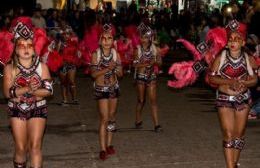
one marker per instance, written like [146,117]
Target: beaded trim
[146,55]
[105,60]
[31,69]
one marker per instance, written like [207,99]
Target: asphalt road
[191,137]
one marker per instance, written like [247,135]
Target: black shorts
[107,92]
[145,79]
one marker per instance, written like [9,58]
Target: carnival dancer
[26,83]
[146,58]
[68,48]
[105,68]
[233,72]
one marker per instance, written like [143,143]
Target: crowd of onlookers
[190,24]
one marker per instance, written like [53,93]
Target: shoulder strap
[139,52]
[154,50]
[39,69]
[248,65]
[114,54]
[222,60]
[98,51]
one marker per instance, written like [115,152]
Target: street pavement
[191,136]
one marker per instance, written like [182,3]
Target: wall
[46,4]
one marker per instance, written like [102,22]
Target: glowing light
[229,9]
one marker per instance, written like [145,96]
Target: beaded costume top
[104,61]
[26,75]
[232,68]
[147,57]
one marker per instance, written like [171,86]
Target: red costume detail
[70,51]
[131,32]
[54,61]
[6,46]
[230,71]
[242,30]
[125,50]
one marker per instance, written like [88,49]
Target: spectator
[37,19]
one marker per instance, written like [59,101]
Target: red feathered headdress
[235,26]
[21,27]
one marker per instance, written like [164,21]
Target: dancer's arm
[46,88]
[95,72]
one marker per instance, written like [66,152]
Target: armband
[136,61]
[115,70]
[46,84]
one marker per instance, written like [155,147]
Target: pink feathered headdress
[21,27]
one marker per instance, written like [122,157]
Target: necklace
[235,60]
[146,55]
[106,59]
[31,69]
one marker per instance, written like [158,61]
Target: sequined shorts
[26,112]
[238,102]
[145,79]
[107,92]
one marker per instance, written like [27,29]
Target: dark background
[28,5]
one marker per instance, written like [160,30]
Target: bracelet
[135,61]
[12,92]
[115,70]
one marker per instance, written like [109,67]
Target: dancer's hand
[236,85]
[242,87]
[33,85]
[227,90]
[112,65]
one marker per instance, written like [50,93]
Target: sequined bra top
[147,57]
[27,75]
[104,61]
[231,68]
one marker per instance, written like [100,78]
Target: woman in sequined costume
[26,83]
[67,47]
[233,73]
[146,58]
[105,68]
